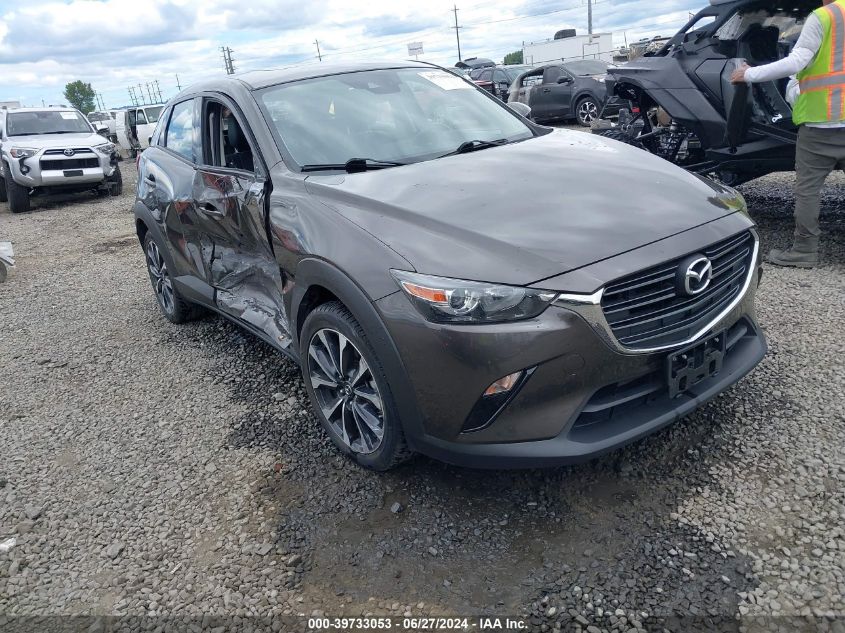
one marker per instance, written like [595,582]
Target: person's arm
[802,54]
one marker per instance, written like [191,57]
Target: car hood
[40,141]
[523,212]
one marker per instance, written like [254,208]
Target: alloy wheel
[588,111]
[346,390]
[160,277]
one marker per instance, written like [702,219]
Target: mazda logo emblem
[68,152]
[694,275]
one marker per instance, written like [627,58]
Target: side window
[179,136]
[225,143]
[158,132]
[485,75]
[141,118]
[500,77]
[551,74]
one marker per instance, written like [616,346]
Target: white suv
[52,150]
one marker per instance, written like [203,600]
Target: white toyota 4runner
[53,150]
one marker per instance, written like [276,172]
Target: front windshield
[402,115]
[584,67]
[153,113]
[46,122]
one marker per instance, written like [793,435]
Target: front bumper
[56,170]
[584,397]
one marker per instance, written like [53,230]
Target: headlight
[22,152]
[105,148]
[457,301]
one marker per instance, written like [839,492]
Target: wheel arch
[318,281]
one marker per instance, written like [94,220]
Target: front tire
[349,389]
[17,196]
[115,182]
[586,111]
[172,305]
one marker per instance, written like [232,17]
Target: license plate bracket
[689,366]
[72,172]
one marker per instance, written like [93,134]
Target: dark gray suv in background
[345,215]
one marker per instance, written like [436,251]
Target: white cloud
[116,43]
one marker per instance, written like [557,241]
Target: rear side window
[485,75]
[180,130]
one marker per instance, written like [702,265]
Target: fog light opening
[504,385]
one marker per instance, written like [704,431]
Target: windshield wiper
[472,146]
[354,165]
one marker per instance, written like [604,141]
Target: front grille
[644,310]
[77,150]
[69,163]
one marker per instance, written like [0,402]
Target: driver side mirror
[564,80]
[520,108]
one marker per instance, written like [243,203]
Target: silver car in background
[53,150]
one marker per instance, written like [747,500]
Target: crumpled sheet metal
[251,289]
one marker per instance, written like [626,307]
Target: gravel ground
[148,469]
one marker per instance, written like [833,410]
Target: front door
[230,195]
[554,96]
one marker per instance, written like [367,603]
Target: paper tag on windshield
[445,80]
[68,115]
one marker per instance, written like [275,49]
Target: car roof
[257,79]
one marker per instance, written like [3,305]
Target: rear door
[230,194]
[166,176]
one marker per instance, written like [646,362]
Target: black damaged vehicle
[370,221]
[684,107]
[568,90]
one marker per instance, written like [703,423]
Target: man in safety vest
[818,59]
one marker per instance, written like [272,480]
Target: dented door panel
[241,265]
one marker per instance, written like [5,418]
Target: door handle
[210,209]
[150,180]
[547,89]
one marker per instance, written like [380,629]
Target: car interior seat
[236,152]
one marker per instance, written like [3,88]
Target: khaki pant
[819,151]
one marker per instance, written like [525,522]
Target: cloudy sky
[114,44]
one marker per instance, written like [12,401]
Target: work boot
[804,253]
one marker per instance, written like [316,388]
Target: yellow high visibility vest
[822,83]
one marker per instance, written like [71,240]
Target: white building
[595,46]
[10,104]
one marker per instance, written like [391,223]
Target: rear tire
[17,196]
[358,412]
[172,305]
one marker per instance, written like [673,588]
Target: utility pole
[228,63]
[178,85]
[150,94]
[141,94]
[319,54]
[457,32]
[590,17]
[158,90]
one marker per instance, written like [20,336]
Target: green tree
[80,95]
[513,58]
